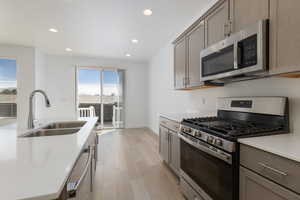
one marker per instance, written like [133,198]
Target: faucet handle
[36,123]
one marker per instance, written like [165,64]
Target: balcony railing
[8,110]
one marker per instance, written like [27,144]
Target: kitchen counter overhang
[37,168]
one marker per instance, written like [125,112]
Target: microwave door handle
[225,29]
[239,55]
[235,56]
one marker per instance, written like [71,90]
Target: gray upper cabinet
[245,12]
[254,187]
[180,64]
[285,36]
[229,16]
[196,43]
[209,29]
[217,24]
[174,151]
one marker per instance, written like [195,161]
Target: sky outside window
[89,82]
[8,74]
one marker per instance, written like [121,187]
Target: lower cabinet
[164,143]
[174,145]
[266,176]
[169,145]
[254,187]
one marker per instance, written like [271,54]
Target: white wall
[40,83]
[164,99]
[25,57]
[59,78]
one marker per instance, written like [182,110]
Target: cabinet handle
[183,80]
[224,29]
[72,187]
[226,32]
[273,169]
[230,27]
[188,80]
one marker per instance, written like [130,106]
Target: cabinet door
[196,42]
[245,12]
[164,143]
[254,186]
[285,36]
[180,64]
[217,24]
[174,151]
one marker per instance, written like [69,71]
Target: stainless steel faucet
[30,116]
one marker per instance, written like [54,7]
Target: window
[8,88]
[100,93]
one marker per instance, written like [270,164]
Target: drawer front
[278,169]
[174,126]
[256,187]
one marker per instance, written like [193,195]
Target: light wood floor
[129,168]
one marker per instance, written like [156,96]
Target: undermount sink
[51,132]
[56,129]
[64,125]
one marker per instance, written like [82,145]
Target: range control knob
[198,134]
[210,139]
[218,142]
[186,129]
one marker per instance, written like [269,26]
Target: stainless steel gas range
[209,152]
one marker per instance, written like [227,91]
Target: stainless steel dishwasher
[80,183]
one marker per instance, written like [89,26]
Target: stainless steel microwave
[243,53]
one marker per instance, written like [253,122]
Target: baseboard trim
[154,134]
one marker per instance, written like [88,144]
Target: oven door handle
[211,151]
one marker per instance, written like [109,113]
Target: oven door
[209,170]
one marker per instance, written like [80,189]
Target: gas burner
[229,127]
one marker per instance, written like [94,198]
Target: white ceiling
[96,27]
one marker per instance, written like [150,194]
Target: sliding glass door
[100,93]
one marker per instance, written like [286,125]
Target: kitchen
[171,92]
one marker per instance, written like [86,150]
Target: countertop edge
[273,150]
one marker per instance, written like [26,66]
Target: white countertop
[285,145]
[37,168]
[178,117]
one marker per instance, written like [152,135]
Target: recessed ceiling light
[127,54]
[134,41]
[147,12]
[69,49]
[53,30]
